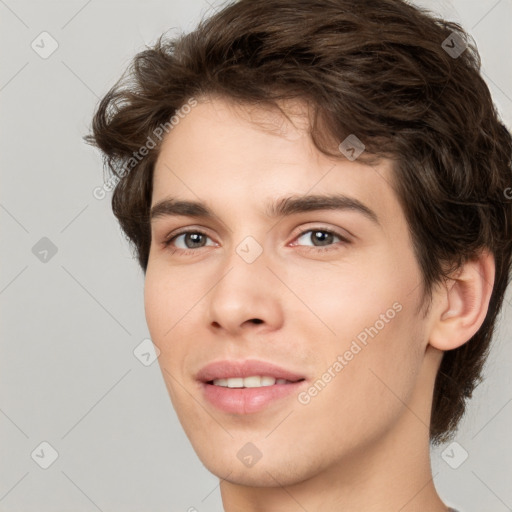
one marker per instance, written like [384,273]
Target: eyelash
[185,252]
[331,247]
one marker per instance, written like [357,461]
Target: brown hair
[380,69]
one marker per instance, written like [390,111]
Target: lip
[226,369]
[246,400]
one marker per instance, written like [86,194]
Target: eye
[188,240]
[319,237]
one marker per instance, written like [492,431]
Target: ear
[461,304]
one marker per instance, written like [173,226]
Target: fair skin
[362,441]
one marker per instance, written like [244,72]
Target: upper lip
[248,368]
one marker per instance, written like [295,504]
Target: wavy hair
[382,69]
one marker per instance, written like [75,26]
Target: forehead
[235,155]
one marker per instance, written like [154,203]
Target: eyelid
[303,230]
[342,234]
[181,231]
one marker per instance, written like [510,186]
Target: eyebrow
[279,208]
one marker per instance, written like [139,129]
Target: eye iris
[323,237]
[196,239]
[319,238]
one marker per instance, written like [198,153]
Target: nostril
[257,321]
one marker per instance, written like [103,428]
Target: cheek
[168,302]
[373,326]
[164,301]
[157,304]
[168,299]
[366,397]
[345,299]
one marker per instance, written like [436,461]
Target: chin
[271,470]
[262,476]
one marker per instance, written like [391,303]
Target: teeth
[254,381]
[268,381]
[235,383]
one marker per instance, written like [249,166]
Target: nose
[247,296]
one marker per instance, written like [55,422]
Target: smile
[247,387]
[254,381]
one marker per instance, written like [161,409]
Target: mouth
[247,387]
[254,381]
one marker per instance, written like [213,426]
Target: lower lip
[247,400]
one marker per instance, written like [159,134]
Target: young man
[316,192]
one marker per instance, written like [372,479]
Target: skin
[362,442]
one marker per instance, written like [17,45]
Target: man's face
[327,298]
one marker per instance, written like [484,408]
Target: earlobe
[462,303]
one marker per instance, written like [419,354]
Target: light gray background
[68,373]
